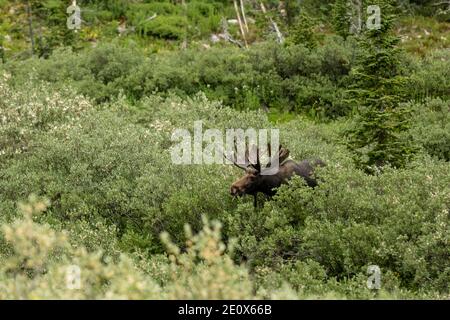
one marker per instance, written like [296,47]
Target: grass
[423,34]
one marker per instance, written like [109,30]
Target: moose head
[257,177]
[264,179]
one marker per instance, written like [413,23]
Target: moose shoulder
[257,180]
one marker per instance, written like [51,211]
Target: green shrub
[353,220]
[267,76]
[41,263]
[113,187]
[33,109]
[170,27]
[431,127]
[431,77]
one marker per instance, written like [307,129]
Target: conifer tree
[302,32]
[348,16]
[377,91]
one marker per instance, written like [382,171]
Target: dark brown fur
[254,182]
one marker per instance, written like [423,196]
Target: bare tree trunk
[184,44]
[243,15]
[274,24]
[30,26]
[240,23]
[226,35]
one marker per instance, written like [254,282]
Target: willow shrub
[398,220]
[40,263]
[431,128]
[281,77]
[113,188]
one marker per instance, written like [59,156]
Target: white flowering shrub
[113,190]
[204,271]
[30,108]
[41,264]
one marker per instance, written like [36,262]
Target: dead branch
[274,24]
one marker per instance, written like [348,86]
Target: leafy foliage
[114,190]
[86,137]
[284,78]
[378,88]
[302,32]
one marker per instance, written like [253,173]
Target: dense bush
[113,187]
[432,77]
[86,137]
[40,109]
[354,220]
[291,78]
[41,264]
[432,131]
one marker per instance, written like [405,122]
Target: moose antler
[249,161]
[248,158]
[234,159]
[282,155]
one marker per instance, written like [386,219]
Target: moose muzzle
[236,191]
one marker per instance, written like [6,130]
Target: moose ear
[252,170]
[283,154]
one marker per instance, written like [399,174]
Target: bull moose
[255,181]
